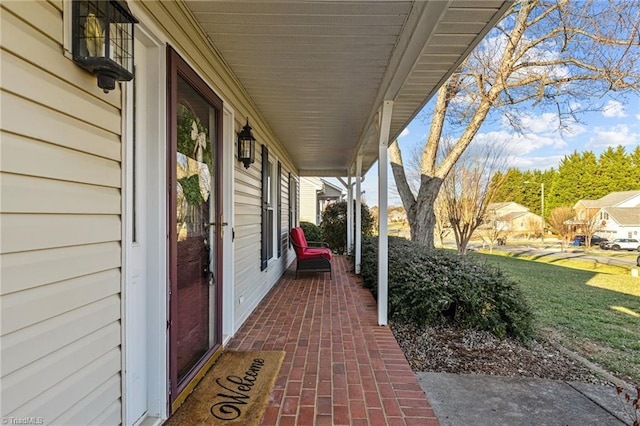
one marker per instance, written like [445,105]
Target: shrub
[430,287]
[334,225]
[312,231]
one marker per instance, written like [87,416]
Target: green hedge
[334,224]
[312,232]
[439,287]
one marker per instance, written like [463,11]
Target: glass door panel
[195,228]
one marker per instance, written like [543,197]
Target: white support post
[383,207]
[358,231]
[349,215]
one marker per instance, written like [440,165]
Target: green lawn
[593,313]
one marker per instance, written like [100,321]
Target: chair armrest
[317,244]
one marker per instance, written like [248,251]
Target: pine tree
[614,172]
[635,168]
[576,179]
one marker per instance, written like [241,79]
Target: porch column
[383,238]
[358,231]
[349,215]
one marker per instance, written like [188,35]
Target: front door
[195,223]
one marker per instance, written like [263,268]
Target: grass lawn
[593,313]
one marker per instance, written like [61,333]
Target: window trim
[264,247]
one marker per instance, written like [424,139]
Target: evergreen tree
[580,176]
[635,167]
[614,167]
[576,179]
[511,186]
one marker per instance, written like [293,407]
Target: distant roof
[590,204]
[609,200]
[628,216]
[616,198]
[332,186]
[513,215]
[498,206]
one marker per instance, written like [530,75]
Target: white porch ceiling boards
[318,71]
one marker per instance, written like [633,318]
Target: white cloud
[614,109]
[404,133]
[516,144]
[545,122]
[548,123]
[540,163]
[612,136]
[638,116]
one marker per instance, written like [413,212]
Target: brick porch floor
[340,367]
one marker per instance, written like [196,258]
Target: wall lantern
[102,32]
[246,146]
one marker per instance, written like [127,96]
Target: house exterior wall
[309,199]
[609,227]
[250,283]
[61,250]
[521,223]
[61,227]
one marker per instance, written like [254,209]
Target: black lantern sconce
[102,32]
[246,146]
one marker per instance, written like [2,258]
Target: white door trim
[155,229]
[228,276]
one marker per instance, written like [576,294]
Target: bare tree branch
[541,54]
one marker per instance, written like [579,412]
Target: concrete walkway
[482,400]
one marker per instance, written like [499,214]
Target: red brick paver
[340,367]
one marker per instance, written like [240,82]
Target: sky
[541,146]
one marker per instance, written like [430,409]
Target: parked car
[596,240]
[621,244]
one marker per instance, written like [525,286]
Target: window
[271,208]
[278,187]
[293,214]
[266,245]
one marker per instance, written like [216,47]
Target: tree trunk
[421,215]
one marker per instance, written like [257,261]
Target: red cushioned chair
[310,259]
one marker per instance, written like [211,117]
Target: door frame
[154,224]
[178,67]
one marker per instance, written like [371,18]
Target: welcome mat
[234,392]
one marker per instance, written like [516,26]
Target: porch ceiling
[318,71]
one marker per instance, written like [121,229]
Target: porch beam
[384,121]
[358,231]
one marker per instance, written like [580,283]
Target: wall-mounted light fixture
[102,32]
[246,146]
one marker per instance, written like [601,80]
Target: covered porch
[340,367]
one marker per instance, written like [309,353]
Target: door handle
[222,223]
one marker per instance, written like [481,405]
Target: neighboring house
[397,214]
[612,216]
[502,209]
[315,194]
[618,222]
[134,243]
[511,218]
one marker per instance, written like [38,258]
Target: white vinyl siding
[60,248]
[61,218]
[250,283]
[309,187]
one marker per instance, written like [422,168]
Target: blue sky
[541,146]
